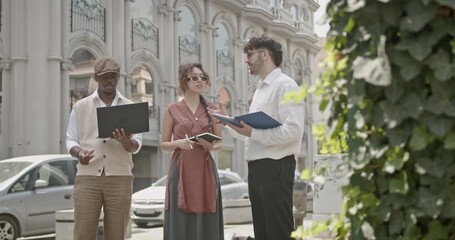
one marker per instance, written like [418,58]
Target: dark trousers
[270,184]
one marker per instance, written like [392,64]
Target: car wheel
[141,224]
[8,228]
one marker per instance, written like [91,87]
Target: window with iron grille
[88,15]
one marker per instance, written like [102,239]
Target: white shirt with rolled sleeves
[73,138]
[275,143]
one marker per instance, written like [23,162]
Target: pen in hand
[191,146]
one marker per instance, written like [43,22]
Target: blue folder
[257,120]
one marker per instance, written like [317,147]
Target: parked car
[148,204]
[32,188]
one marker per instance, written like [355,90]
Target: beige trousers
[110,193]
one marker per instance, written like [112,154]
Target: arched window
[222,39]
[272,3]
[294,12]
[144,33]
[305,14]
[187,26]
[142,85]
[142,9]
[298,71]
[224,57]
[188,44]
[225,99]
[82,83]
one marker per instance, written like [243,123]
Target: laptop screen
[134,118]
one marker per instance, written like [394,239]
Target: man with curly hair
[270,153]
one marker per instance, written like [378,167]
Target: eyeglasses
[196,78]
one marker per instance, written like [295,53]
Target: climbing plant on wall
[390,81]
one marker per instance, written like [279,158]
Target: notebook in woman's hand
[209,137]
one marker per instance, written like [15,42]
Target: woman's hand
[205,144]
[184,144]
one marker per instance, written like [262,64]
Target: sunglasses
[196,78]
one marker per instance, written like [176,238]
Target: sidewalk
[156,233]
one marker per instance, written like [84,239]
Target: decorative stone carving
[177,16]
[68,65]
[5,64]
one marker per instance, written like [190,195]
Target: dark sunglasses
[196,78]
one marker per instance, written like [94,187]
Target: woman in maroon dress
[193,206]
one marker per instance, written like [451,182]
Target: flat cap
[106,65]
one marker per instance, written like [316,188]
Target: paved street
[156,233]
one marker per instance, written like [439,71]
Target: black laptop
[134,118]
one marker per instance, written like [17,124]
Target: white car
[148,204]
[32,188]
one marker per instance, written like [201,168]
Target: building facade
[48,47]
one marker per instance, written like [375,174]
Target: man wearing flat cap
[104,178]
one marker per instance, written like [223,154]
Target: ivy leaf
[356,91]
[354,5]
[412,106]
[448,208]
[398,136]
[432,167]
[436,104]
[419,139]
[440,100]
[412,233]
[443,88]
[399,184]
[394,91]
[417,17]
[440,63]
[438,125]
[449,141]
[420,52]
[419,49]
[427,202]
[392,12]
[395,160]
[450,110]
[436,231]
[393,114]
[396,222]
[375,71]
[409,67]
[367,230]
[378,117]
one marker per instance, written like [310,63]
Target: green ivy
[389,83]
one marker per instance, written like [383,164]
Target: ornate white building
[47,50]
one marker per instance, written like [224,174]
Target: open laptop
[134,118]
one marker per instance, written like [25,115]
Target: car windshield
[160,182]
[9,169]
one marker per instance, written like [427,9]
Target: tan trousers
[113,195]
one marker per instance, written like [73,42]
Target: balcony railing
[88,15]
[145,35]
[225,63]
[189,49]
